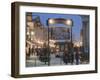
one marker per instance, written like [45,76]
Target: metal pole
[71,36]
[48,45]
[71,47]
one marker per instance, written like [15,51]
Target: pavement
[34,61]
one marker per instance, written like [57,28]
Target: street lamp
[51,21]
[69,22]
[28,33]
[32,33]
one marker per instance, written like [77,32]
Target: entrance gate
[59,37]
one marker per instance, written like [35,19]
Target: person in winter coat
[77,56]
[65,57]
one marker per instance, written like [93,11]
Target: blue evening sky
[77,22]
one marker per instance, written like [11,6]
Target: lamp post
[48,45]
[70,23]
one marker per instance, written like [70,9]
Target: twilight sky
[77,21]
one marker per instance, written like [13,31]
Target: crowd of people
[43,54]
[71,56]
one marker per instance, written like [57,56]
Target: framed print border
[15,38]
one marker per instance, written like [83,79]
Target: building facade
[84,35]
[36,34]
